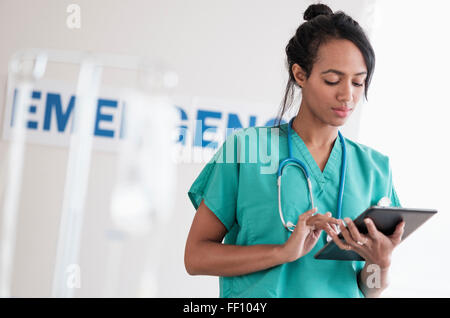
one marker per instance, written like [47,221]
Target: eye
[335,83]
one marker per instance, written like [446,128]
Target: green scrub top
[239,185]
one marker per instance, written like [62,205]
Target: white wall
[407,117]
[230,51]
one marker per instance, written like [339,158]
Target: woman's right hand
[307,233]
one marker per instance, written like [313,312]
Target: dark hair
[321,26]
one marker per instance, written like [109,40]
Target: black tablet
[385,219]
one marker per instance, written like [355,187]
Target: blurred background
[106,214]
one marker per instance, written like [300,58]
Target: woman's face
[336,82]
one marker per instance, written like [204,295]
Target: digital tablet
[385,219]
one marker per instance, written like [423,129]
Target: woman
[331,60]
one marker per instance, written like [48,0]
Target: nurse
[237,233]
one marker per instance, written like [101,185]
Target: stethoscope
[291,161]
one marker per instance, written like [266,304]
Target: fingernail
[347,220]
[366,221]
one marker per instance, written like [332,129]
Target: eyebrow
[341,73]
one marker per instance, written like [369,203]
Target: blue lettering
[201,128]
[36,95]
[54,102]
[182,128]
[32,124]
[103,117]
[31,109]
[234,123]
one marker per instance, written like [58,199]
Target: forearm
[217,259]
[373,280]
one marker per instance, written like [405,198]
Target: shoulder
[258,145]
[368,156]
[364,150]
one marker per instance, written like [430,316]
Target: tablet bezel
[385,219]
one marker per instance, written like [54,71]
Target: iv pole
[25,69]
[80,152]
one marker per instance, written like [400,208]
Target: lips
[342,111]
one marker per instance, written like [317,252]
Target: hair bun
[316,9]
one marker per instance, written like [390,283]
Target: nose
[345,93]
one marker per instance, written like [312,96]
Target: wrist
[282,254]
[285,254]
[383,265]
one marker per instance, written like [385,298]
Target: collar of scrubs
[332,167]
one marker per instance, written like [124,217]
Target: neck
[314,132]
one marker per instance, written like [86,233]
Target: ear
[299,74]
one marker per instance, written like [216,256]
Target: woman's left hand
[374,247]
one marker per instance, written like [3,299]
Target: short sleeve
[394,198]
[392,194]
[217,184]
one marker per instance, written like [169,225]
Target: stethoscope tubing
[291,161]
